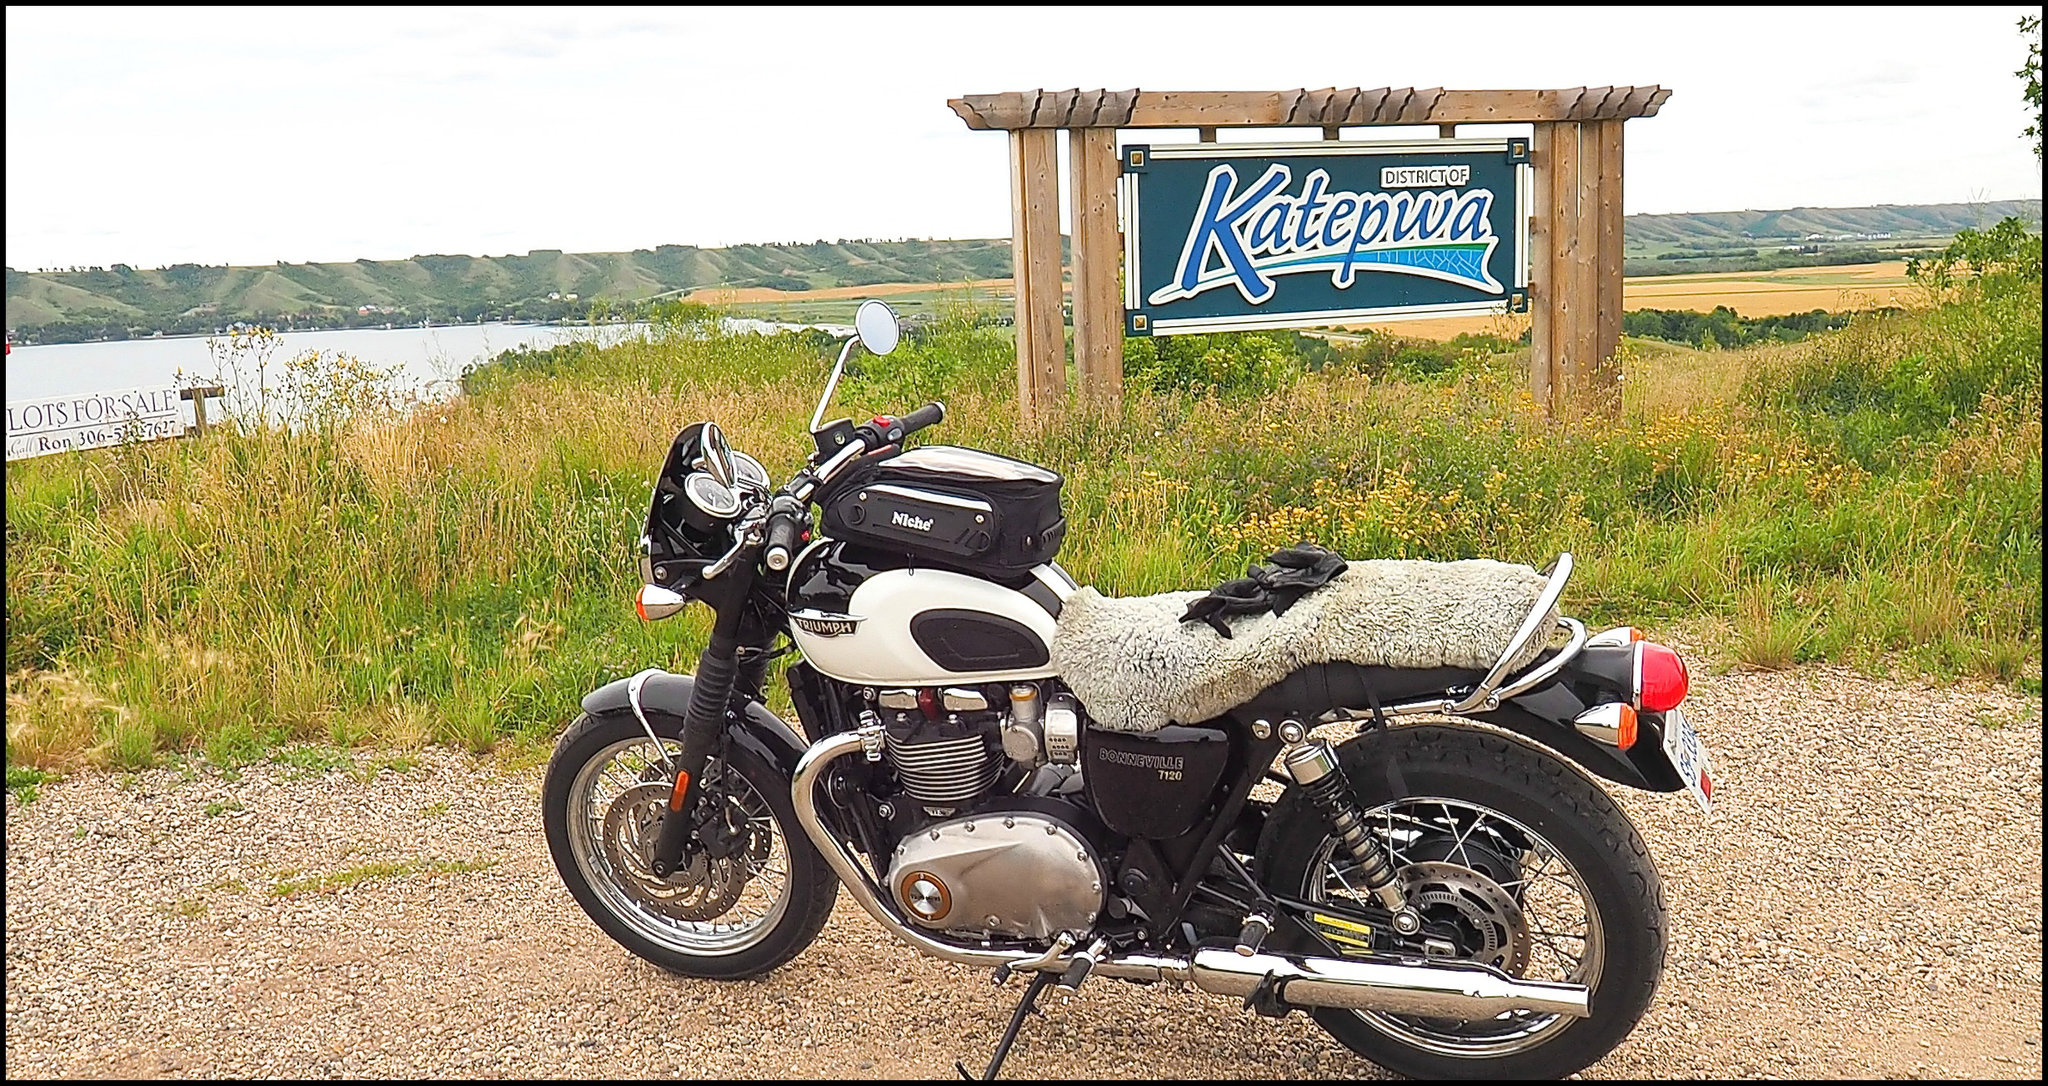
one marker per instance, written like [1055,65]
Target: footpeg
[1083,962]
[1256,927]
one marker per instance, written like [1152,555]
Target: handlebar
[889,430]
[785,528]
[928,415]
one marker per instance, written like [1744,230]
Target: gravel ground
[1866,901]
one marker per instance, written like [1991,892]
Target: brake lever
[748,533]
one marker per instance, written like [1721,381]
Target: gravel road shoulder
[1866,901]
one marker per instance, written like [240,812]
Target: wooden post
[1447,131]
[1333,132]
[1607,375]
[1567,307]
[1098,306]
[1035,252]
[1584,292]
[1542,284]
[198,397]
[1206,134]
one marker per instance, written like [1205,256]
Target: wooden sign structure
[1574,236]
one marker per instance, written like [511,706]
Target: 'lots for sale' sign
[92,420]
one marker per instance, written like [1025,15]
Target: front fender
[751,724]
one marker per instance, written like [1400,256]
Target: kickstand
[1028,1005]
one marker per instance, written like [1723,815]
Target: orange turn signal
[682,788]
[1625,731]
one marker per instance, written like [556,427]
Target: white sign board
[92,420]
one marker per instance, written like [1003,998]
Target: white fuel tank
[862,617]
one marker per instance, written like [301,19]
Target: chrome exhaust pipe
[1462,990]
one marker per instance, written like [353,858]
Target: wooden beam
[1447,131]
[1276,109]
[1584,296]
[1607,377]
[1206,134]
[1542,287]
[1035,254]
[1098,254]
[1332,132]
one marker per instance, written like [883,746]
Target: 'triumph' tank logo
[1265,232]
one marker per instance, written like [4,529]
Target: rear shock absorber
[1313,765]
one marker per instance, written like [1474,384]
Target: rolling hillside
[1832,223]
[548,284]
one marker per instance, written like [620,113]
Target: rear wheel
[1515,859]
[754,891]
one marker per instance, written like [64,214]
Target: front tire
[1469,815]
[726,919]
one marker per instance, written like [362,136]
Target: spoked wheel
[1515,860]
[754,892]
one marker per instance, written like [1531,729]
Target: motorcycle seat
[1403,626]
[1311,690]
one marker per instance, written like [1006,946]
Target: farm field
[1751,294]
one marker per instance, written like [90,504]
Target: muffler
[1462,990]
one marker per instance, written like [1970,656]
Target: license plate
[1689,756]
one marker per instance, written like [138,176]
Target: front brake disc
[701,889]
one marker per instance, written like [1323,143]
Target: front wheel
[746,901]
[1514,859]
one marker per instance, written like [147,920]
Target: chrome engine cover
[1006,873]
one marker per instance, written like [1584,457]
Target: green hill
[83,303]
[67,305]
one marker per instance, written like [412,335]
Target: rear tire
[1528,789]
[604,790]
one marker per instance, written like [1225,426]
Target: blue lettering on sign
[1244,240]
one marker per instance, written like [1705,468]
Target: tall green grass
[462,573]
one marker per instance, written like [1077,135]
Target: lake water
[428,360]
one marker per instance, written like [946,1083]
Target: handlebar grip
[783,530]
[927,415]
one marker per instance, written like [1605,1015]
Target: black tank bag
[952,506]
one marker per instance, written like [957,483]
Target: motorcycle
[1010,771]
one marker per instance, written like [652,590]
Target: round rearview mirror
[717,454]
[875,324]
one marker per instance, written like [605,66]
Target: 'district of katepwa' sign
[1237,236]
[92,420]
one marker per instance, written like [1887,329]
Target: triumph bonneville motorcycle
[1445,898]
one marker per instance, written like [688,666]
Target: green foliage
[1726,328]
[1254,364]
[2002,259]
[25,782]
[1225,363]
[2030,72]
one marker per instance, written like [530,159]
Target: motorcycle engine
[985,848]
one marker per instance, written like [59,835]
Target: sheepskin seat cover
[1137,668]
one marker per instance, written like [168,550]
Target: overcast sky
[246,136]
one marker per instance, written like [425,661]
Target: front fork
[718,671]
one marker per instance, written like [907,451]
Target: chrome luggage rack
[1490,692]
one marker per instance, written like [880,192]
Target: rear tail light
[1660,678]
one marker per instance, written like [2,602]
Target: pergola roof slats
[1328,107]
